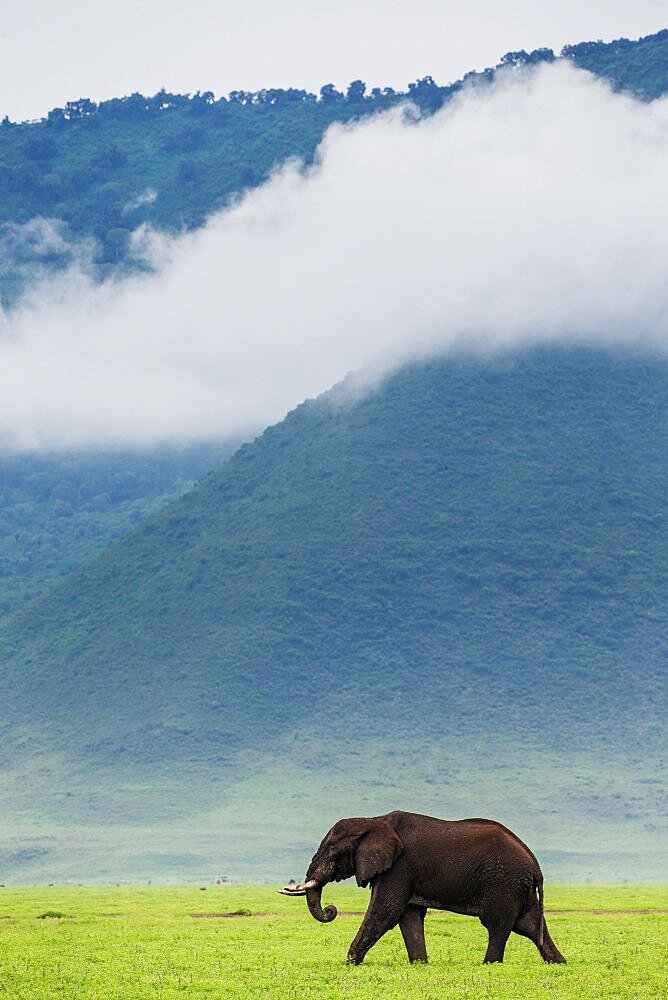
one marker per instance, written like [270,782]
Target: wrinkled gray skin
[412,862]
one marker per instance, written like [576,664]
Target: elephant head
[361,847]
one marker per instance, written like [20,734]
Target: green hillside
[454,589]
[56,511]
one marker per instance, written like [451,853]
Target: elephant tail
[539,889]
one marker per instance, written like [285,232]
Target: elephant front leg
[383,914]
[411,924]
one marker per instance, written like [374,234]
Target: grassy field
[131,943]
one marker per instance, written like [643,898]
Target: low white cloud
[146,197]
[34,239]
[533,210]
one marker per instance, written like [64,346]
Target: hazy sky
[51,52]
[529,211]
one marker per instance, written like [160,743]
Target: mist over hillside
[453,589]
[77,184]
[79,191]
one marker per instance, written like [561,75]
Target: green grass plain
[136,942]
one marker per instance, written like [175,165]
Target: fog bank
[529,211]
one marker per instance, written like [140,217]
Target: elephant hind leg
[498,917]
[499,932]
[528,925]
[411,925]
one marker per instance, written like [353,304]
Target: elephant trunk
[315,908]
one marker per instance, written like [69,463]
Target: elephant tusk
[299,889]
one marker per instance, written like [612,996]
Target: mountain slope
[462,571]
[57,511]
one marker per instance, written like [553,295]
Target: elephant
[412,862]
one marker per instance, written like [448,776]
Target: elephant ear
[376,852]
